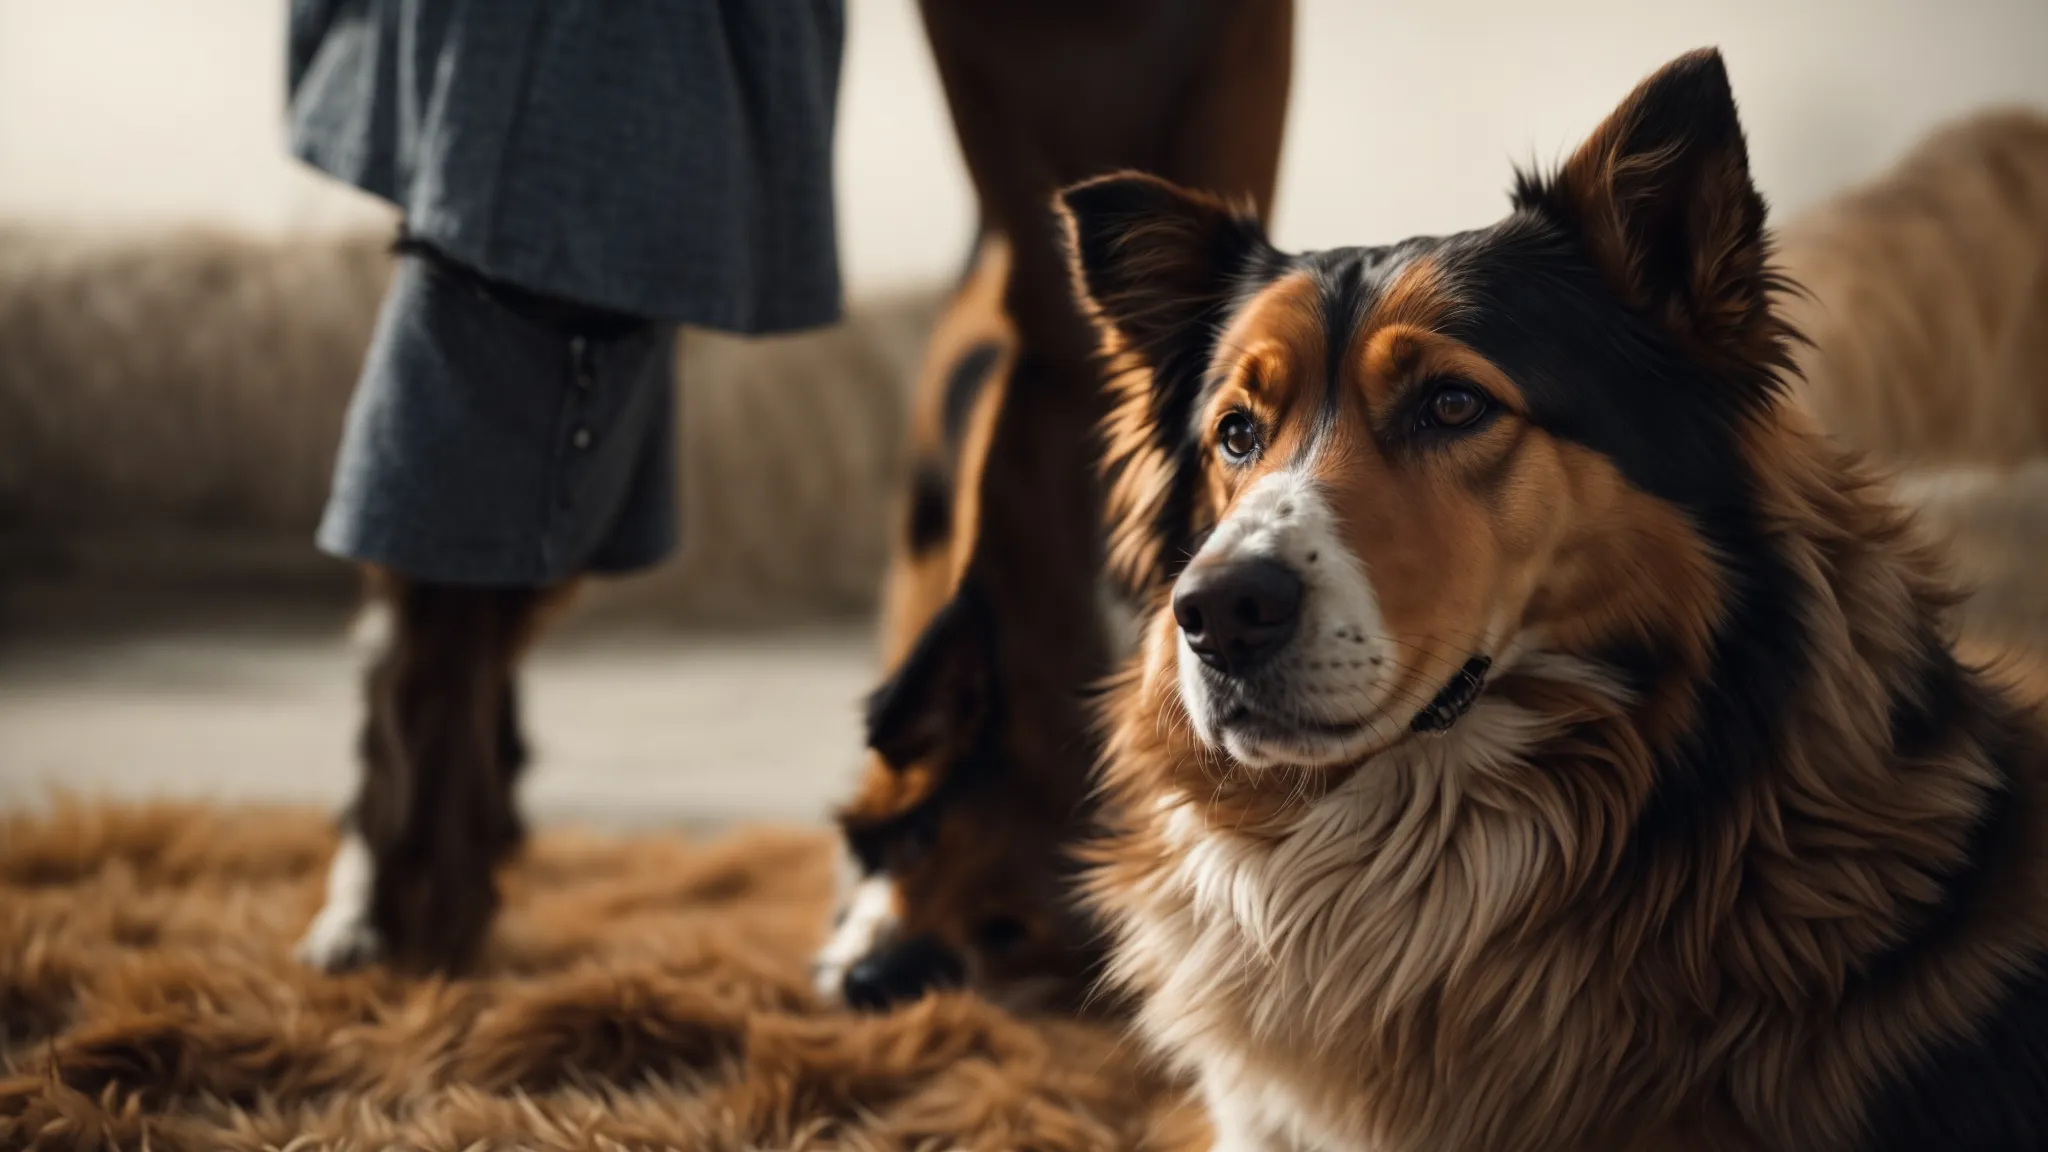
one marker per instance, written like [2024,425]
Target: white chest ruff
[1264,960]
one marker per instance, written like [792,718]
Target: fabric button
[579,363]
[581,438]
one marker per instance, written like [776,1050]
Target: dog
[954,868]
[997,618]
[1543,736]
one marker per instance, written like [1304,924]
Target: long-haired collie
[1543,738]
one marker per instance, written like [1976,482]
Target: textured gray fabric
[668,158]
[484,446]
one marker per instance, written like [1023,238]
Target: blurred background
[182,309]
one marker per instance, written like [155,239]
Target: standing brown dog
[996,623]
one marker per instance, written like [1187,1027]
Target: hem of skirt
[317,158]
[789,311]
[621,561]
[818,309]
[521,565]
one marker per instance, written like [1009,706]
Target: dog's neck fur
[1468,935]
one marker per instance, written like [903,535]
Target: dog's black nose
[901,970]
[1236,615]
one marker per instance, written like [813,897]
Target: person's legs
[499,445]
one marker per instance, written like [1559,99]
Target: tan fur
[643,993]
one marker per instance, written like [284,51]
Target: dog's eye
[1454,405]
[1000,933]
[1237,436]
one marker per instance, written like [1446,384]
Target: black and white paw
[340,940]
[341,937]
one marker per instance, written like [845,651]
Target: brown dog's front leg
[441,751]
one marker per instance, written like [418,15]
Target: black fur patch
[964,386]
[1349,282]
[1985,1093]
[939,700]
[940,690]
[1760,656]
[1928,709]
[1345,288]
[1987,1090]
[930,523]
[898,842]
[1595,372]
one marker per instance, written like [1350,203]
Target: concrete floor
[653,729]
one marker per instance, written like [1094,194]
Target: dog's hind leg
[441,752]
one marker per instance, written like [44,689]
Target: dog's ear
[1158,269]
[1154,263]
[1660,198]
[936,702]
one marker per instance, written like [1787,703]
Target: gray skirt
[487,445]
[665,161]
[669,158]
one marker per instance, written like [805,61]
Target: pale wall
[1406,116]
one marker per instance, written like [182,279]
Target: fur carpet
[639,993]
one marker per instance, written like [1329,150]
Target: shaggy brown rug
[638,993]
